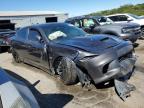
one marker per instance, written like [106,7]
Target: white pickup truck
[126,17]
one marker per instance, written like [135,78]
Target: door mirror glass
[129,19]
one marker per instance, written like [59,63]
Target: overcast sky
[73,7]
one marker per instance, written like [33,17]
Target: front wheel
[67,71]
[142,36]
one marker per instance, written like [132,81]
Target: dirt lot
[50,92]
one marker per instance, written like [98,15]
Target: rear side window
[33,35]
[114,18]
[22,33]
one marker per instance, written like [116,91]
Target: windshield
[104,20]
[61,32]
[135,16]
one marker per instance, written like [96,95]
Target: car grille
[136,30]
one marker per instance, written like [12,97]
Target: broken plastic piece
[123,89]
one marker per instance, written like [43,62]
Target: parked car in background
[103,25]
[5,41]
[72,54]
[126,17]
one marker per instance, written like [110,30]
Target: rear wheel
[142,36]
[16,57]
[67,70]
[9,50]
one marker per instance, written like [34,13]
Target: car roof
[117,14]
[79,17]
[45,25]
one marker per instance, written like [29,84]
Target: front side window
[104,20]
[77,24]
[119,18]
[123,18]
[33,35]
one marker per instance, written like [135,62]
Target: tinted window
[123,18]
[22,33]
[119,18]
[114,18]
[33,35]
[104,20]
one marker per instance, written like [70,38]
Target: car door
[19,42]
[37,50]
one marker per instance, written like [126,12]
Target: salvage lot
[50,91]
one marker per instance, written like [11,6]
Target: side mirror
[92,26]
[129,19]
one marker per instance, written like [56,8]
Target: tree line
[129,8]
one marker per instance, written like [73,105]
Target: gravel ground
[51,93]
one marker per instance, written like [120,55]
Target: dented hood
[93,43]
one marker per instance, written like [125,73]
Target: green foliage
[134,9]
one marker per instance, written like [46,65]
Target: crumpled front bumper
[108,66]
[131,36]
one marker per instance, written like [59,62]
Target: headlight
[85,56]
[126,30]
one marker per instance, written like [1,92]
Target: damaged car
[67,51]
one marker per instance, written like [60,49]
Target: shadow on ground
[45,100]
[135,45]
[78,95]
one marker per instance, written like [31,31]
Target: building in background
[26,18]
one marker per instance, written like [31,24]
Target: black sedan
[70,53]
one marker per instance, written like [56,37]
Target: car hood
[93,43]
[124,25]
[140,21]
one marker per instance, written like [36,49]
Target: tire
[0,50]
[67,71]
[9,50]
[16,57]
